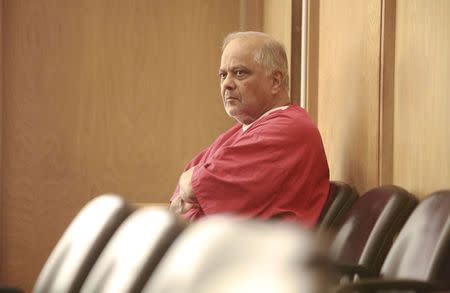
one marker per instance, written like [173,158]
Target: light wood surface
[101,96]
[422,96]
[379,89]
[347,87]
[151,204]
[277,22]
[251,15]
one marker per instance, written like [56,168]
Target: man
[272,163]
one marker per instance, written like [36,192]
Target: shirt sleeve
[196,160]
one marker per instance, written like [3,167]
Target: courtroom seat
[367,231]
[76,251]
[229,254]
[419,260]
[340,199]
[134,251]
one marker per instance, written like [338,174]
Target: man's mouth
[231,98]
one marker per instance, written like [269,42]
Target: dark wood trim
[312,79]
[296,47]
[1,144]
[387,92]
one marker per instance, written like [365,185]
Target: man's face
[245,85]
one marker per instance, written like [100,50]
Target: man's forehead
[239,52]
[237,62]
[244,44]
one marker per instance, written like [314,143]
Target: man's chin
[235,115]
[231,110]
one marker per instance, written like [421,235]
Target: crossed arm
[186,198]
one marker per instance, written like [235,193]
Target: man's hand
[185,183]
[186,199]
[179,206]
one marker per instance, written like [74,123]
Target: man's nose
[228,82]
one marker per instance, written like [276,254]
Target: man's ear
[277,81]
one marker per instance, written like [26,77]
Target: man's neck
[247,126]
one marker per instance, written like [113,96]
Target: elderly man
[272,163]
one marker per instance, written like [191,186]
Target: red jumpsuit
[277,168]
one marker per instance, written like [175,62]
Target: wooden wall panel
[277,22]
[422,96]
[250,15]
[347,86]
[101,96]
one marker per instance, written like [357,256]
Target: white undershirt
[246,126]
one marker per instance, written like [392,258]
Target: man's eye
[240,73]
[222,75]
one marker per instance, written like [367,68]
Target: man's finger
[175,205]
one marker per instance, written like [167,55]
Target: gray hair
[272,55]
